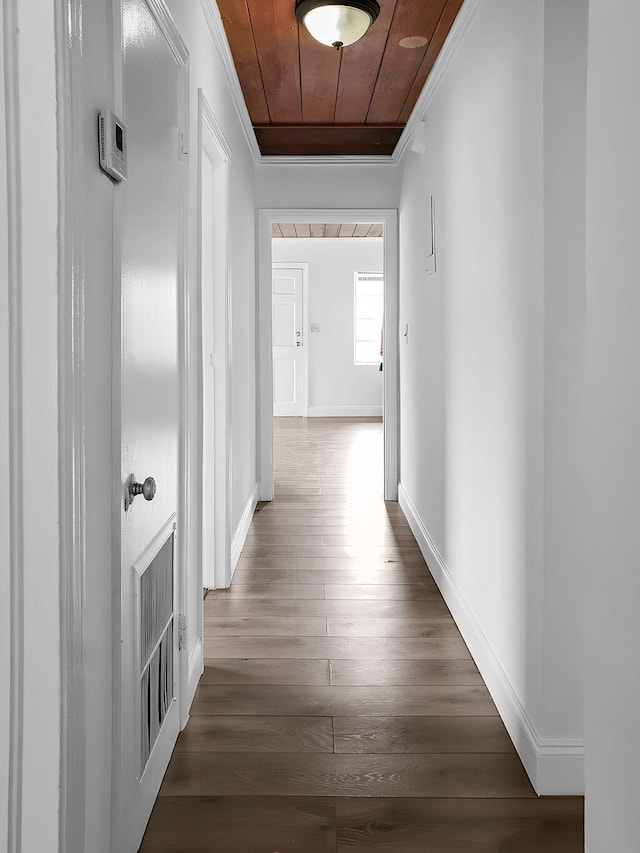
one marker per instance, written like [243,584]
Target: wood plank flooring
[340,709]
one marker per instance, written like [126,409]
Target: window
[368,313]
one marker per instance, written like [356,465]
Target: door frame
[73,425]
[304,267]
[220,153]
[267,217]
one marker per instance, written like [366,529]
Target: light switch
[315,327]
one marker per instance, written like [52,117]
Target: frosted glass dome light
[337,24]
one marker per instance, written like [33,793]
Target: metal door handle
[132,489]
[146,489]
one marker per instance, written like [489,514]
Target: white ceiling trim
[216,28]
[328,160]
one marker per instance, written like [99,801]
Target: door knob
[132,489]
[146,489]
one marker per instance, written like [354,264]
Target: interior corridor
[340,709]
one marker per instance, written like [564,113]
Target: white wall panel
[612,461]
[347,185]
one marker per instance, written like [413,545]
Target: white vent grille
[156,646]
[102,131]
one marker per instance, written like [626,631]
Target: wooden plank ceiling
[298,229]
[308,99]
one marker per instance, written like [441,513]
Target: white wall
[612,462]
[336,385]
[318,185]
[476,470]
[565,91]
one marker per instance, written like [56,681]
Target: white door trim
[30,432]
[11,432]
[298,265]
[220,153]
[264,368]
[72,426]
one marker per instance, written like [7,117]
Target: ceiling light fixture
[337,24]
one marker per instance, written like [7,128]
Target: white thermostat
[112,144]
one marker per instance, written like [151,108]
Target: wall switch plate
[315,327]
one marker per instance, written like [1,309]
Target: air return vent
[156,618]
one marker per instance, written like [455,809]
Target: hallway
[339,708]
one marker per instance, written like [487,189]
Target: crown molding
[162,15]
[328,160]
[216,28]
[452,44]
[211,123]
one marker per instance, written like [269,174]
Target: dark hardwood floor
[340,709]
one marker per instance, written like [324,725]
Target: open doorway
[386,222]
[328,311]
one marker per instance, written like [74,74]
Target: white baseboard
[555,767]
[344,412]
[195,670]
[239,537]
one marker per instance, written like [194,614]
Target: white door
[147,662]
[289,345]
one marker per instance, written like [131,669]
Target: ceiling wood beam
[321,140]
